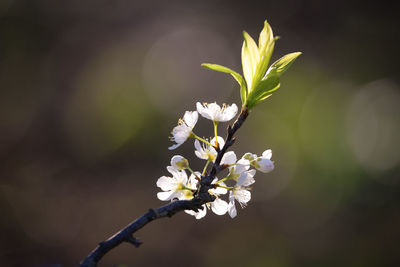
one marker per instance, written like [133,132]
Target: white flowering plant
[239,172]
[197,191]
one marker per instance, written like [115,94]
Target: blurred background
[90,91]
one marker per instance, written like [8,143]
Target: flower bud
[249,156]
[263,164]
[179,163]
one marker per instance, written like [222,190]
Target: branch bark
[201,197]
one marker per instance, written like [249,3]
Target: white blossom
[242,195]
[183,130]
[264,163]
[179,163]
[238,168]
[207,152]
[214,112]
[178,186]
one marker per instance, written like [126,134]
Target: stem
[216,133]
[202,197]
[205,167]
[223,180]
[192,171]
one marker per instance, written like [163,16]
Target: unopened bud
[179,163]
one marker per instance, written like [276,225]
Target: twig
[201,197]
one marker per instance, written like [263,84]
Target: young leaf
[250,58]
[253,49]
[282,64]
[246,66]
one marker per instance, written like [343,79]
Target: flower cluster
[239,173]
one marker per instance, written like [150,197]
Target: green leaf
[283,64]
[253,49]
[235,75]
[250,58]
[262,90]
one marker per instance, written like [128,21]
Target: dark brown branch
[125,235]
[201,197]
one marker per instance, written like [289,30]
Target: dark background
[91,89]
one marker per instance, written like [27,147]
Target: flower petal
[200,153]
[264,165]
[246,178]
[242,196]
[203,111]
[201,213]
[219,206]
[219,190]
[181,133]
[267,154]
[192,183]
[231,206]
[166,183]
[172,171]
[229,158]
[191,118]
[182,177]
[244,161]
[197,145]
[198,215]
[174,146]
[230,112]
[164,196]
[221,141]
[240,168]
